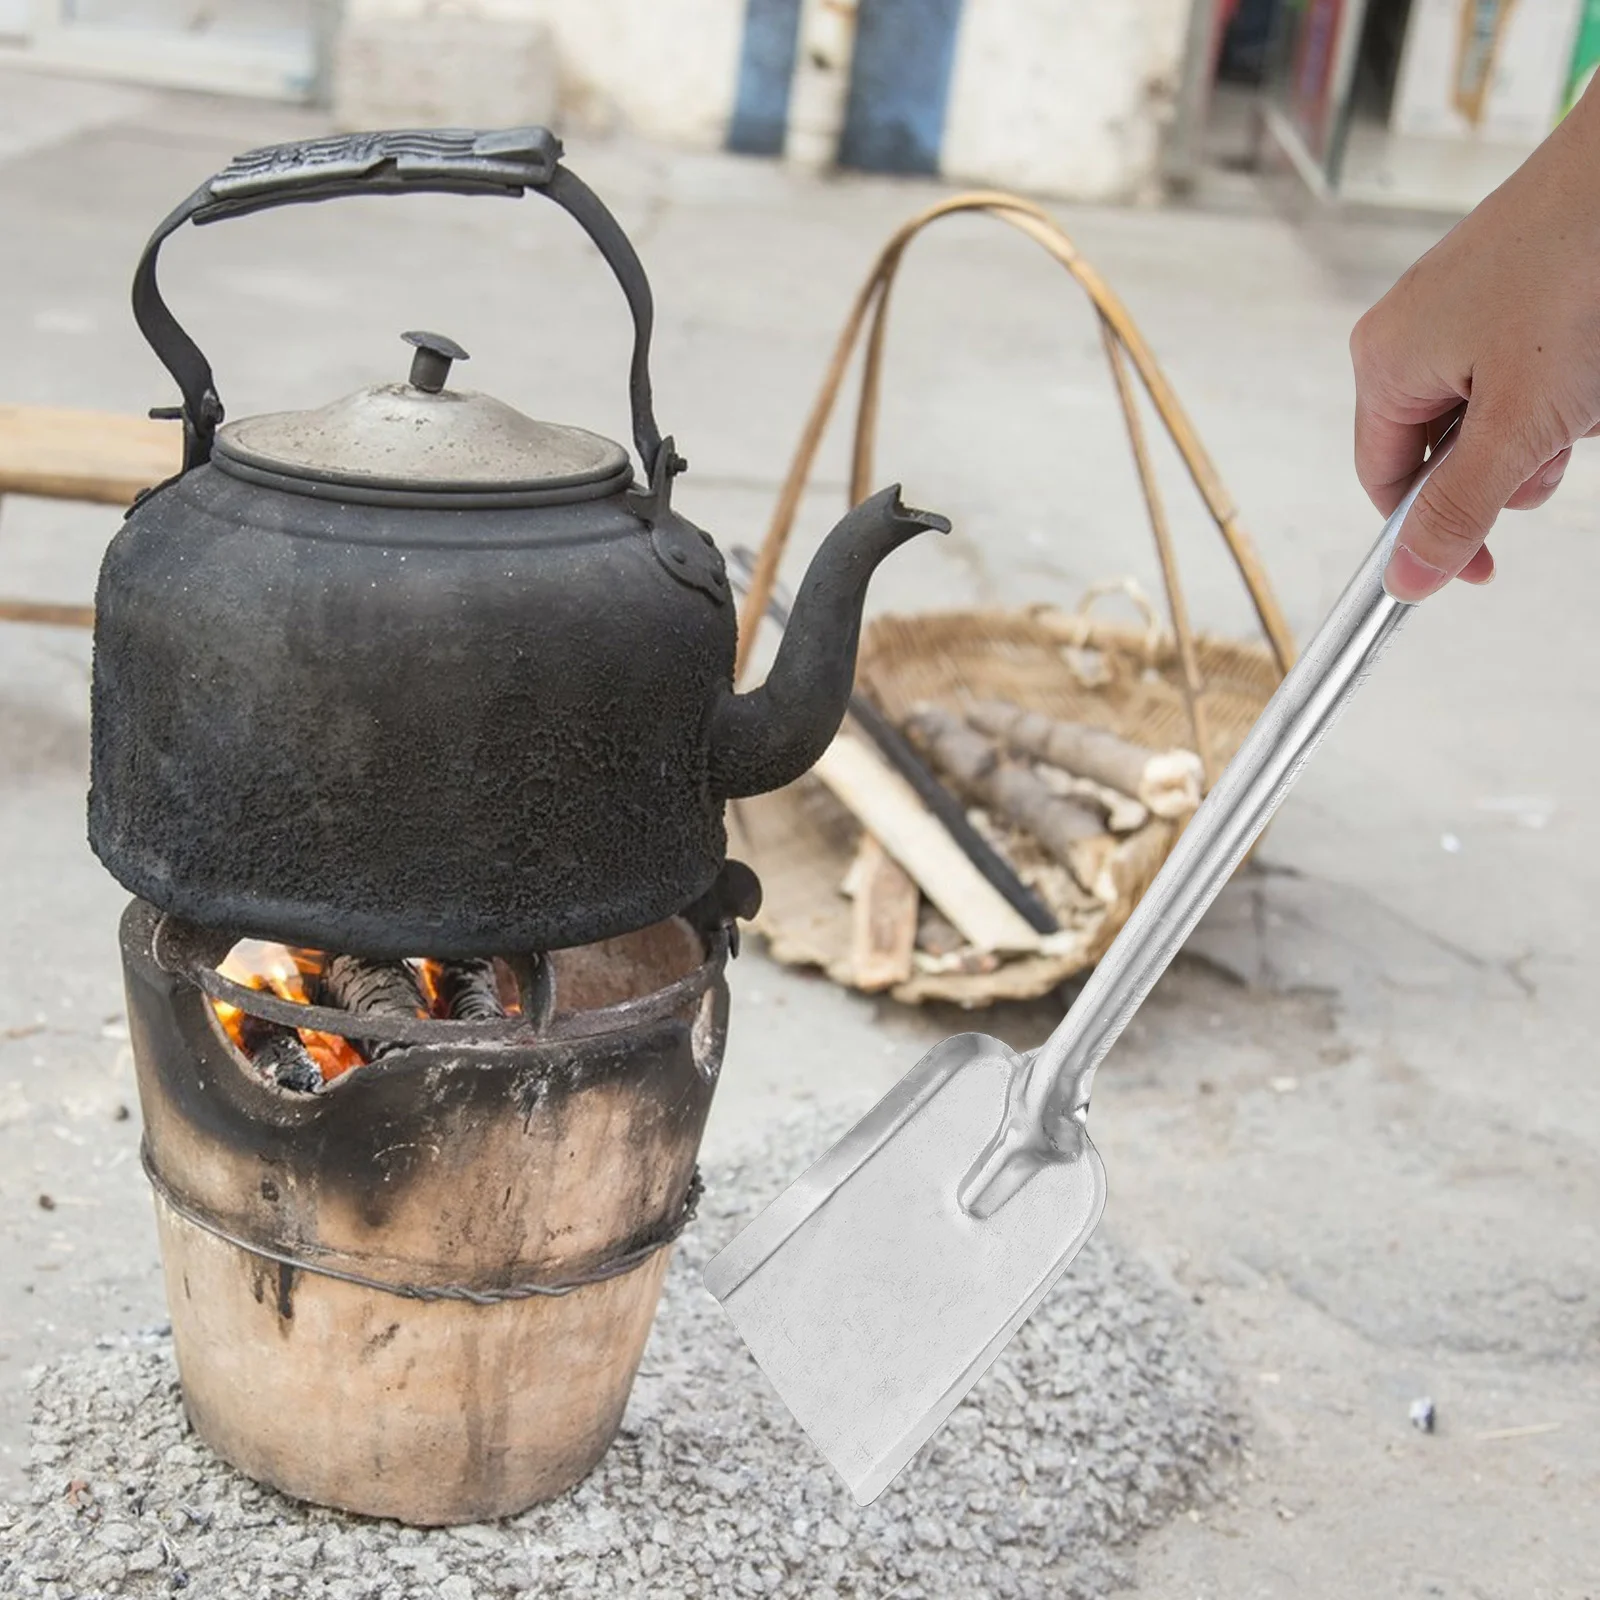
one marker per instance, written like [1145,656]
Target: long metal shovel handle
[1050,1100]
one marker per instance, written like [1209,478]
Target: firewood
[1070,831]
[855,877]
[1167,781]
[935,934]
[373,988]
[469,991]
[969,963]
[1122,812]
[279,1054]
[887,807]
[884,924]
[866,717]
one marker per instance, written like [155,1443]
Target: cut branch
[1166,781]
[279,1055]
[372,988]
[1066,828]
[469,991]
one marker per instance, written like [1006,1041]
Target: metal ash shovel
[879,1286]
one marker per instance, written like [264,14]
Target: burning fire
[291,975]
[297,975]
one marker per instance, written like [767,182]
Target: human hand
[1501,318]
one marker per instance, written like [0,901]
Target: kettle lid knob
[430,366]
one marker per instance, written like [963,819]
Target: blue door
[766,69]
[899,85]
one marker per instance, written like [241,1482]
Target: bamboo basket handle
[1177,608]
[1121,337]
[1155,640]
[1120,334]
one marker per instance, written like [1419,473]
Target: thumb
[1457,506]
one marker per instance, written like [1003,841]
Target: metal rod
[1048,1100]
[1307,704]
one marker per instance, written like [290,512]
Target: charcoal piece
[381,988]
[469,991]
[278,1054]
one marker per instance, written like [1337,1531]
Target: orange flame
[291,975]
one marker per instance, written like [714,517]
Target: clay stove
[422,1289]
[413,723]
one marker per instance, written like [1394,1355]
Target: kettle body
[414,674]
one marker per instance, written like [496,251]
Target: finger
[1388,454]
[1458,504]
[1542,484]
[1480,569]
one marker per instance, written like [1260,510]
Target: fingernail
[1409,578]
[1553,474]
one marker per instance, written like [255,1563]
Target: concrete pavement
[1359,1126]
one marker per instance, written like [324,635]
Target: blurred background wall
[1412,103]
[1034,94]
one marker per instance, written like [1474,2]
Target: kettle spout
[767,738]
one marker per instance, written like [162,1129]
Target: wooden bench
[95,456]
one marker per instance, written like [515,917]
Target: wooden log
[367,987]
[883,931]
[1123,813]
[1167,781]
[887,807]
[469,991]
[1068,829]
[279,1055]
[935,935]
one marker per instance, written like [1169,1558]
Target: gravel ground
[1104,1418]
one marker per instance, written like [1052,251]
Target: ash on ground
[1103,1418]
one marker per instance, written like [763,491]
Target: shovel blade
[871,1300]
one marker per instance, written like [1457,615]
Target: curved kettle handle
[425,161]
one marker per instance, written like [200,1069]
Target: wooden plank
[98,456]
[888,807]
[47,613]
[883,934]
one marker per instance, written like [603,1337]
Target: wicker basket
[1156,684]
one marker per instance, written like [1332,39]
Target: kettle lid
[419,443]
